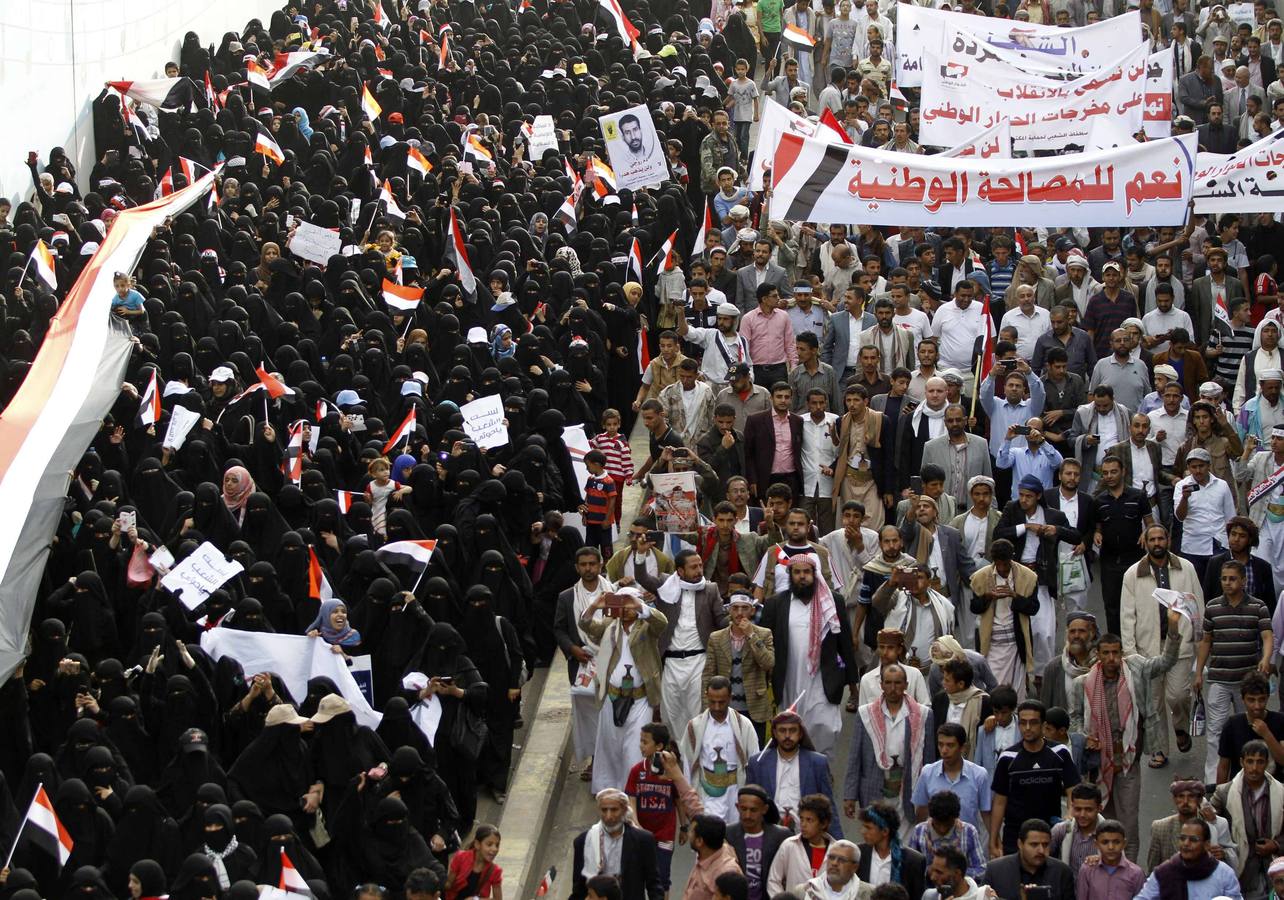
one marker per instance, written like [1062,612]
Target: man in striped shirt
[1228,344]
[1237,640]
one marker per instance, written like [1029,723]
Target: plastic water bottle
[1197,717]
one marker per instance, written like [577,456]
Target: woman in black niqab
[145,831]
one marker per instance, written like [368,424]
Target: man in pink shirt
[771,338]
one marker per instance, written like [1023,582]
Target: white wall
[56,54]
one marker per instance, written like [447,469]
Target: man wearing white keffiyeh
[814,656]
[615,846]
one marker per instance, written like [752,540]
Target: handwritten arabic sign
[1248,181]
[200,574]
[484,421]
[1044,114]
[920,29]
[314,243]
[181,421]
[543,137]
[1145,184]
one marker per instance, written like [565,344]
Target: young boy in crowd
[601,497]
[653,798]
[619,457]
[1000,729]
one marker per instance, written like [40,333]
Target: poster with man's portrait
[675,502]
[636,153]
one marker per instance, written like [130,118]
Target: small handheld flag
[369,105]
[666,253]
[417,162]
[43,259]
[265,144]
[706,226]
[274,388]
[46,830]
[403,432]
[402,298]
[149,410]
[318,585]
[455,248]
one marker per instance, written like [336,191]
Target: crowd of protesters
[895,527]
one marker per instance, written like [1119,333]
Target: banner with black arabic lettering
[921,29]
[1250,180]
[1146,184]
[1044,114]
[1157,112]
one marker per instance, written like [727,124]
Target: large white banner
[1158,108]
[1044,114]
[920,29]
[1250,180]
[1146,184]
[295,659]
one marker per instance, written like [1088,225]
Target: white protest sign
[1240,13]
[965,94]
[200,574]
[674,501]
[181,421]
[543,137]
[314,243]
[922,29]
[484,421]
[162,560]
[295,659]
[637,156]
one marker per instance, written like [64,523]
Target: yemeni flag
[577,183]
[285,65]
[473,147]
[274,388]
[211,95]
[290,879]
[706,226]
[985,362]
[188,168]
[1022,248]
[644,352]
[346,499]
[389,202]
[566,213]
[369,105]
[802,171]
[323,410]
[546,883]
[318,586]
[46,830]
[405,299]
[367,160]
[417,162]
[42,259]
[414,555]
[257,76]
[403,432]
[634,265]
[292,465]
[166,94]
[799,37]
[149,409]
[828,118]
[627,31]
[666,253]
[603,177]
[380,17]
[443,52]
[265,144]
[456,250]
[166,186]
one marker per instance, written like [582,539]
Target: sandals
[1158,759]
[586,774]
[1183,741]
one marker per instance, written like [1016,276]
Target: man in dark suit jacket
[886,820]
[1054,529]
[789,737]
[760,445]
[956,259]
[639,879]
[1087,511]
[1241,537]
[1031,864]
[757,818]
